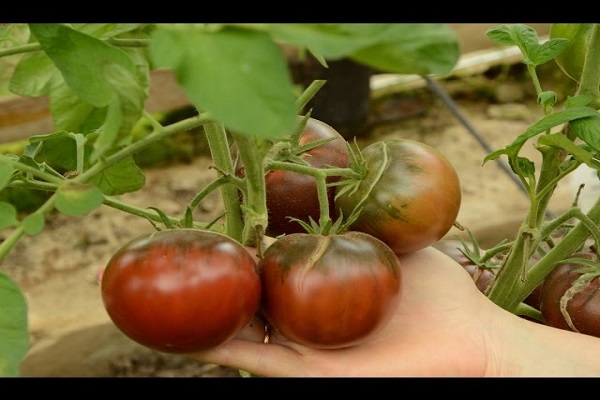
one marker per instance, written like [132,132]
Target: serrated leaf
[6,171]
[578,101]
[400,48]
[526,38]
[422,49]
[82,60]
[106,30]
[123,177]
[546,123]
[588,130]
[331,41]
[547,51]
[109,131]
[513,35]
[33,224]
[237,75]
[71,114]
[560,141]
[111,80]
[75,199]
[8,215]
[57,149]
[14,335]
[34,75]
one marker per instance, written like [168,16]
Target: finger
[254,330]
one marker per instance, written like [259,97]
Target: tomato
[566,294]
[571,59]
[181,290]
[329,291]
[292,194]
[410,195]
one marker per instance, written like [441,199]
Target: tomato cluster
[184,290]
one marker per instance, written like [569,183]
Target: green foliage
[14,335]
[76,200]
[247,67]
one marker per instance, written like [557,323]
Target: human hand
[444,326]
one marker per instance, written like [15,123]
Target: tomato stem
[255,203]
[221,156]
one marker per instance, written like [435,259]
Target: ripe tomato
[580,298]
[181,290]
[571,59]
[410,195]
[329,291]
[291,194]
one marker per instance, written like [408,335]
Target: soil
[71,335]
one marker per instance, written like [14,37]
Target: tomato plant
[395,196]
[570,295]
[408,196]
[97,76]
[329,291]
[181,290]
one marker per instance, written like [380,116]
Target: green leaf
[33,224]
[82,60]
[526,38]
[106,30]
[109,130]
[239,76]
[34,75]
[588,130]
[57,149]
[560,141]
[332,41]
[399,48]
[122,177]
[14,335]
[547,51]
[513,35]
[6,171]
[74,199]
[578,101]
[107,86]
[71,114]
[8,215]
[545,124]
[421,49]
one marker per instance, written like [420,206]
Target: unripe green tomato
[571,60]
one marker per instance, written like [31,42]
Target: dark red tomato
[565,294]
[291,194]
[329,291]
[181,290]
[410,195]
